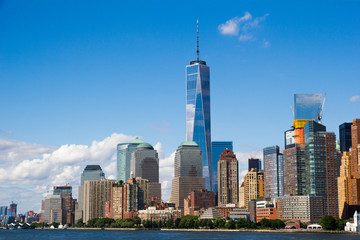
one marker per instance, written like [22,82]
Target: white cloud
[242,26]
[354,98]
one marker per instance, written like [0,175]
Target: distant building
[253,186]
[353,226]
[211,213]
[3,210]
[323,166]
[217,148]
[294,171]
[242,195]
[53,211]
[289,136]
[228,179]
[187,173]
[343,185]
[91,172]
[226,210]
[345,137]
[124,151]
[96,194]
[198,201]
[254,163]
[151,213]
[145,164]
[12,210]
[265,209]
[303,208]
[273,172]
[68,206]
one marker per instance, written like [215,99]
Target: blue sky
[72,72]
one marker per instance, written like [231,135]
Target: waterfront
[69,234]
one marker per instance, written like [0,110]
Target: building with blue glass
[217,148]
[307,106]
[198,127]
[345,137]
[124,151]
[273,172]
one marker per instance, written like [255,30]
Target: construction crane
[253,156]
[319,115]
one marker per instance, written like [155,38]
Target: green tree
[340,224]
[169,224]
[177,222]
[230,224]
[276,224]
[265,223]
[219,222]
[328,223]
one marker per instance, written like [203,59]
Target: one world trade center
[198,127]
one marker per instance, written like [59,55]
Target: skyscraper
[228,179]
[217,148]
[68,205]
[253,185]
[307,106]
[91,172]
[273,172]
[254,163]
[294,171]
[124,151]
[322,166]
[198,126]
[187,173]
[345,137]
[145,164]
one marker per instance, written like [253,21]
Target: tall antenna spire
[197,40]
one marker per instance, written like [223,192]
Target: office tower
[355,141]
[299,131]
[198,126]
[145,164]
[354,182]
[12,210]
[68,205]
[198,201]
[188,174]
[273,172]
[228,179]
[3,210]
[124,151]
[91,172]
[294,171]
[254,163]
[345,137]
[144,185]
[217,148]
[289,136]
[96,194]
[343,185]
[253,185]
[322,166]
[307,106]
[53,211]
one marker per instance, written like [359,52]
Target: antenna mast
[197,40]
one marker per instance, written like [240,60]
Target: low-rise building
[198,201]
[151,213]
[353,226]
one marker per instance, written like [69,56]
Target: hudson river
[38,234]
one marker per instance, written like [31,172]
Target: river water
[39,234]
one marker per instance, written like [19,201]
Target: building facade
[198,201]
[53,209]
[228,179]
[91,172]
[68,203]
[152,214]
[96,194]
[198,123]
[254,163]
[345,137]
[294,171]
[217,148]
[124,151]
[145,164]
[187,173]
[253,186]
[273,172]
[343,185]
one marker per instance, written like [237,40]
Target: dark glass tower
[198,111]
[217,148]
[345,137]
[254,163]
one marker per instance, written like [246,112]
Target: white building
[355,226]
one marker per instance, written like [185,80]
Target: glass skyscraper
[124,151]
[273,172]
[198,112]
[307,106]
[217,148]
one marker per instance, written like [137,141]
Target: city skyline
[61,101]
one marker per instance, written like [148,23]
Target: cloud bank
[354,98]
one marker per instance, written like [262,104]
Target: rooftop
[93,168]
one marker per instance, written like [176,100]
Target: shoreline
[296,231]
